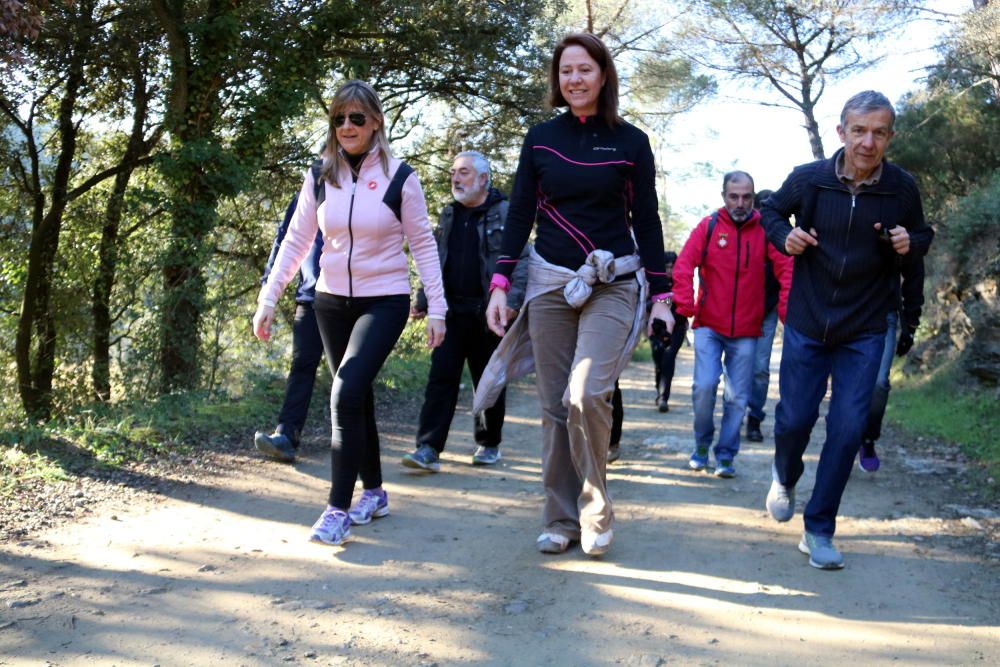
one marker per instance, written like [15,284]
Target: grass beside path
[945,405]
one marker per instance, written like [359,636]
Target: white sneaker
[551,543]
[594,544]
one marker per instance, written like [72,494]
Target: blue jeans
[762,367]
[806,367]
[880,395]
[709,349]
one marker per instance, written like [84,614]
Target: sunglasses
[357,119]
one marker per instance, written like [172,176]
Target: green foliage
[949,139]
[406,369]
[974,220]
[943,405]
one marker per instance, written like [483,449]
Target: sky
[730,131]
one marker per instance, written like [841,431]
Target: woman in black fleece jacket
[587,176]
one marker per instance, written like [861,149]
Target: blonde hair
[364,96]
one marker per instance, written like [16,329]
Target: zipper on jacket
[736,282]
[350,235]
[843,263]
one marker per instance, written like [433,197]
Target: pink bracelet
[500,282]
[666,297]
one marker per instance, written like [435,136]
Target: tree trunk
[107,263]
[35,343]
[199,51]
[812,129]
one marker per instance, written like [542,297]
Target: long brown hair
[365,97]
[607,101]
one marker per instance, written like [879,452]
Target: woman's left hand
[660,311]
[435,332]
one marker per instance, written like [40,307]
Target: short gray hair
[736,175]
[868,101]
[481,164]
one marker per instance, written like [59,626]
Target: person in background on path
[666,344]
[855,214]
[764,345]
[468,243]
[729,250]
[909,290]
[585,301]
[371,203]
[307,351]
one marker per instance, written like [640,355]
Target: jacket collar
[826,176]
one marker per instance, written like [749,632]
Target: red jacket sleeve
[684,268]
[783,266]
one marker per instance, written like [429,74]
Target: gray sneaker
[425,458]
[822,554]
[485,456]
[780,501]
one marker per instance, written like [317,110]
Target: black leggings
[358,334]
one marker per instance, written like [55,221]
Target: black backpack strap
[708,236]
[319,189]
[394,194]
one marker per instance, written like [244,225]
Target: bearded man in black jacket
[857,218]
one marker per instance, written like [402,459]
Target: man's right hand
[799,239]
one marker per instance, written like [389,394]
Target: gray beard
[468,195]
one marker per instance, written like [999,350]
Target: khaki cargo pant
[578,349]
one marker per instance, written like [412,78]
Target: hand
[496,312]
[899,237]
[511,314]
[417,314]
[660,311]
[262,320]
[798,240]
[905,343]
[435,332]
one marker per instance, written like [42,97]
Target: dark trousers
[617,415]
[806,366]
[467,340]
[665,357]
[307,351]
[358,335]
[880,395]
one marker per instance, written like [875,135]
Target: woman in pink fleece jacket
[369,203]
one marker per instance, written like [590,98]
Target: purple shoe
[867,458]
[332,527]
[373,504]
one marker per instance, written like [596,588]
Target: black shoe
[662,406]
[753,430]
[277,446]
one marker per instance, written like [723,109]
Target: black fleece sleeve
[783,203]
[646,218]
[522,211]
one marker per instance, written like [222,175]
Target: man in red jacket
[729,249]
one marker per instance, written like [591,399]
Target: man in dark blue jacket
[307,351]
[857,217]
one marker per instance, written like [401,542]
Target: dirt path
[219,572]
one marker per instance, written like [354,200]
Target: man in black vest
[858,218]
[468,237]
